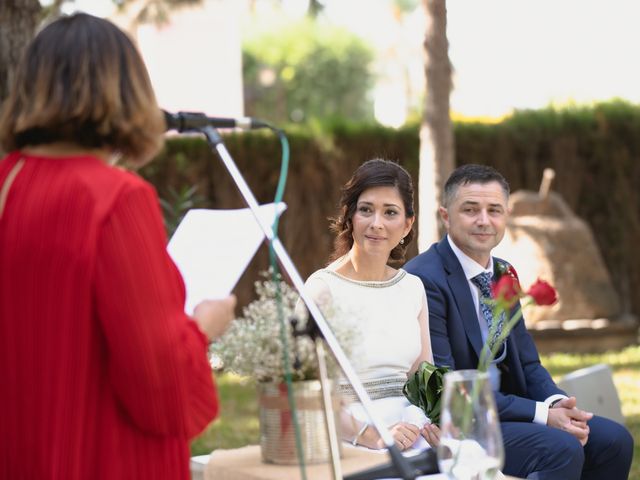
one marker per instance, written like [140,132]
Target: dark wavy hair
[372,173]
[81,80]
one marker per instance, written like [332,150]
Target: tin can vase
[277,432]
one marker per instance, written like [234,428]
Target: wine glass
[471,443]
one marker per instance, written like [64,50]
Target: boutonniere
[506,292]
[501,268]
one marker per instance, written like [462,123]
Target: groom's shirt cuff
[542,408]
[542,413]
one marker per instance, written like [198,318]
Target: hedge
[594,150]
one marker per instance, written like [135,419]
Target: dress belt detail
[378,388]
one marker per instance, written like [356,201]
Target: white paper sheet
[213,247]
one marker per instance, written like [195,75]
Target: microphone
[190,121]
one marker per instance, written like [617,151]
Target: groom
[546,436]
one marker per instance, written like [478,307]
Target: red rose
[507,289]
[543,293]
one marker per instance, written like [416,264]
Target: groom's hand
[564,415]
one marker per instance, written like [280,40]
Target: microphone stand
[401,465]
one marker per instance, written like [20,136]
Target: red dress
[103,375]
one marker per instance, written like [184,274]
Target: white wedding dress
[385,315]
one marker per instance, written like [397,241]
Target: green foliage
[424,389]
[560,364]
[307,70]
[154,11]
[237,424]
[406,5]
[177,204]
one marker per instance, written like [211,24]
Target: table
[246,464]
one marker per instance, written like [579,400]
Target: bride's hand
[404,434]
[431,433]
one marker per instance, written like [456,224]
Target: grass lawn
[626,377]
[238,423]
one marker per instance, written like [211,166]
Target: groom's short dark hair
[472,173]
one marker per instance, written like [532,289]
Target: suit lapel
[460,288]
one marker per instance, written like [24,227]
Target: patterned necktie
[483,282]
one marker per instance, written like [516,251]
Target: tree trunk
[436,133]
[18,22]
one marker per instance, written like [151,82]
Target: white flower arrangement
[252,345]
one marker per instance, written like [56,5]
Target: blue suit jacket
[456,339]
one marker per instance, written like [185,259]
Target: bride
[388,305]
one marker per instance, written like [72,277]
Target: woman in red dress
[103,375]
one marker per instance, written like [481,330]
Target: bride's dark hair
[372,173]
